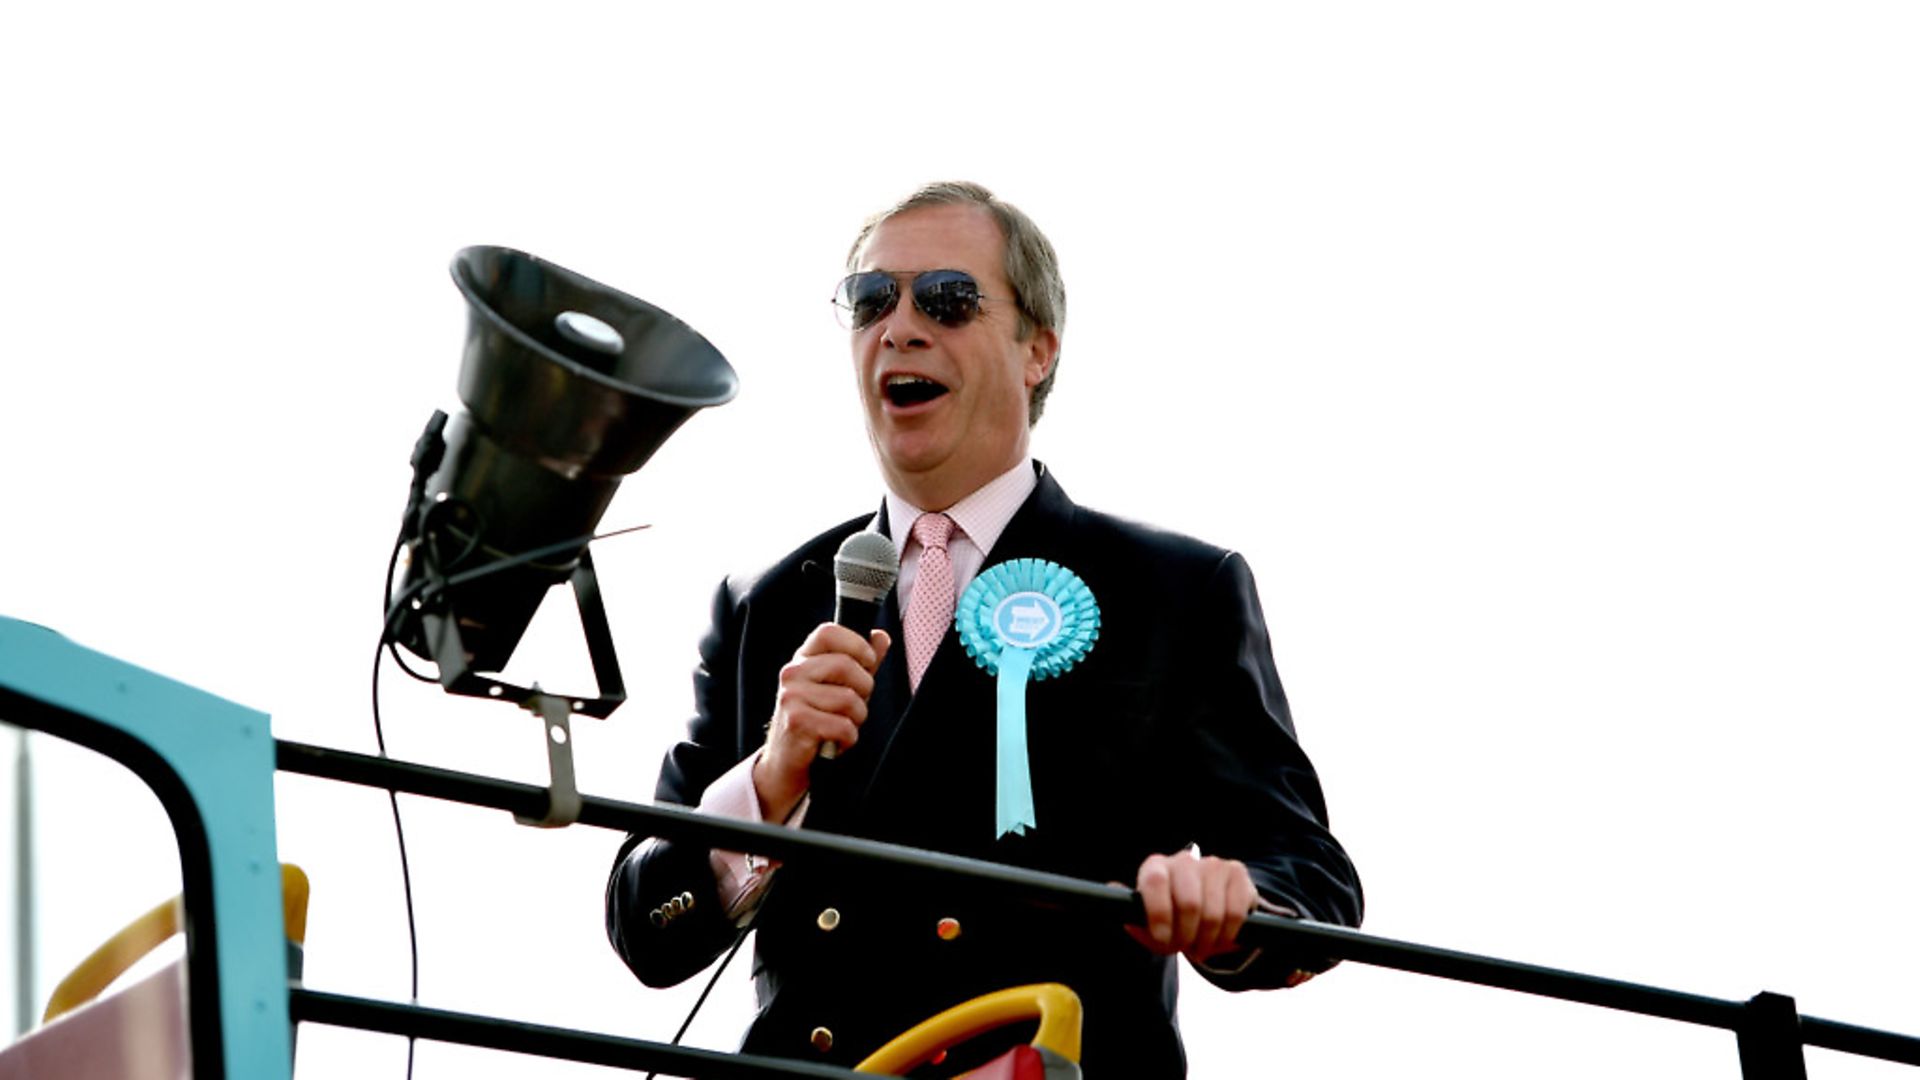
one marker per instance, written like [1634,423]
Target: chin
[907,467]
[912,467]
[912,451]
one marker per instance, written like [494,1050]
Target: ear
[1043,348]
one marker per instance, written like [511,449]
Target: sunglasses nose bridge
[903,325]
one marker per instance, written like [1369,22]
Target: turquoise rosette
[1021,620]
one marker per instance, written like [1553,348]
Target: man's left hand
[1195,904]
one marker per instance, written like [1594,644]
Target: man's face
[946,405]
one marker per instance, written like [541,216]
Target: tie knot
[932,530]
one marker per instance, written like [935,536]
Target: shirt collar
[981,516]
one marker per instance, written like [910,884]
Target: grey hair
[1029,261]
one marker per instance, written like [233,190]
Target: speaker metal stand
[441,623]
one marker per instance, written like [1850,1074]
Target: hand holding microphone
[824,689]
[864,571]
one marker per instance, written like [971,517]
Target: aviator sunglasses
[948,297]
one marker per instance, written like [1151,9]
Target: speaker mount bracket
[442,627]
[563,795]
[441,621]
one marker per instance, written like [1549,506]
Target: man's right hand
[823,699]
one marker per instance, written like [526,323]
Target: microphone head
[866,567]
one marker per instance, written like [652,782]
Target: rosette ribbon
[1020,620]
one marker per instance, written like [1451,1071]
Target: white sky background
[1553,365]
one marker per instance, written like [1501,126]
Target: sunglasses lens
[865,298]
[949,297]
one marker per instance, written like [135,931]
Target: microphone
[864,571]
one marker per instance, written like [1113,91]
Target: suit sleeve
[665,916]
[1256,793]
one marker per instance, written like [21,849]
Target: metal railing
[211,763]
[1769,1030]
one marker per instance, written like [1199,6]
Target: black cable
[386,635]
[400,662]
[428,451]
[395,606]
[393,798]
[711,983]
[406,876]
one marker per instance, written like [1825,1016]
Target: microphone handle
[858,616]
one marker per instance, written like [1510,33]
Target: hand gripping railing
[211,763]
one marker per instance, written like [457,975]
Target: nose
[905,327]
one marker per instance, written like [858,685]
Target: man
[1169,732]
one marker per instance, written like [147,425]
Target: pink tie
[930,611]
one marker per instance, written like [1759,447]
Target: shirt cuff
[742,878]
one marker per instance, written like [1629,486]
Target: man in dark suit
[1170,733]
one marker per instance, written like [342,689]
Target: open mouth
[905,391]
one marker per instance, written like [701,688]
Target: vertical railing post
[211,765]
[1769,1034]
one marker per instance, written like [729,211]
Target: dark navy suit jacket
[1172,731]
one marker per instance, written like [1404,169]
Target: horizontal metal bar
[1339,941]
[1299,936]
[1864,1041]
[468,1029]
[677,823]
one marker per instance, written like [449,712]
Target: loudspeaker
[567,386]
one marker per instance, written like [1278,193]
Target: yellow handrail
[1057,1007]
[120,952]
